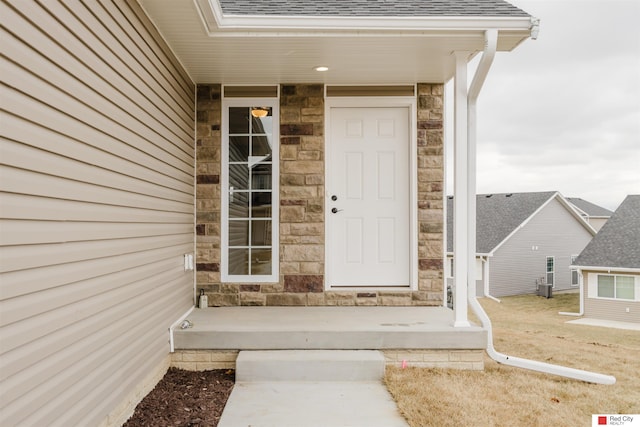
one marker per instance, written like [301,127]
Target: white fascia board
[608,269]
[493,251]
[580,211]
[573,209]
[563,202]
[215,22]
[478,254]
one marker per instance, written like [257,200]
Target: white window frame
[573,270]
[593,286]
[274,277]
[552,272]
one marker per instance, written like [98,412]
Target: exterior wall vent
[251,91]
[399,90]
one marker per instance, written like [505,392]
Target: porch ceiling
[268,50]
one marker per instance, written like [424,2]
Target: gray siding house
[524,240]
[609,267]
[595,215]
[151,149]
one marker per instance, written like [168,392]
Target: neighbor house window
[250,196]
[550,270]
[575,281]
[616,286]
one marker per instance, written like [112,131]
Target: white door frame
[381,102]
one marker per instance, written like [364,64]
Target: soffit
[268,50]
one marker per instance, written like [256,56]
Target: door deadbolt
[334,197]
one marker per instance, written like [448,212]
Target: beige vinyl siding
[609,309]
[97,207]
[515,267]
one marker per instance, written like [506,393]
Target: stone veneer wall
[202,360]
[302,205]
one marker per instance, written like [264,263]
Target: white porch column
[490,40]
[460,191]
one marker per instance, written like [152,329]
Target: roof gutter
[608,270]
[217,23]
[491,37]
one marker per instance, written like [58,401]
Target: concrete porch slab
[331,328]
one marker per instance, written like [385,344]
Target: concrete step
[311,404]
[309,365]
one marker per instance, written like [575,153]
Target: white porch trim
[464,244]
[461,189]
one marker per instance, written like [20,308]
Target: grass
[529,327]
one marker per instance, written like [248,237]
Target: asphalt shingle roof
[617,244]
[497,216]
[353,8]
[589,208]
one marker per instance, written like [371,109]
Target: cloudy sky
[563,112]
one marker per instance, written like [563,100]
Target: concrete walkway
[310,388]
[606,323]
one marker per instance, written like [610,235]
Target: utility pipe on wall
[491,37]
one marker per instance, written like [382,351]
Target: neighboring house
[594,214]
[139,135]
[523,240]
[610,267]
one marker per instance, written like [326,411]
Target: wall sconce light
[259,112]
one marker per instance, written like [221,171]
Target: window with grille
[250,181]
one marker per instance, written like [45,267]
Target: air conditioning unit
[545,290]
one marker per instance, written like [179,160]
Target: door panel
[368,173]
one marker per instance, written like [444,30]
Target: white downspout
[491,37]
[485,278]
[581,312]
[175,325]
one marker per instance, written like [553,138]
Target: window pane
[261,177]
[249,172]
[261,205]
[625,287]
[261,146]
[239,261]
[549,278]
[549,264]
[261,233]
[239,177]
[605,286]
[239,120]
[261,261]
[574,277]
[238,148]
[238,233]
[262,119]
[239,205]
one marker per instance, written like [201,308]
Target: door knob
[335,210]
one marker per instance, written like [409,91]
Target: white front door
[367,204]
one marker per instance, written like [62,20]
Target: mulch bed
[186,399]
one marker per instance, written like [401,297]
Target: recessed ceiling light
[321,68]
